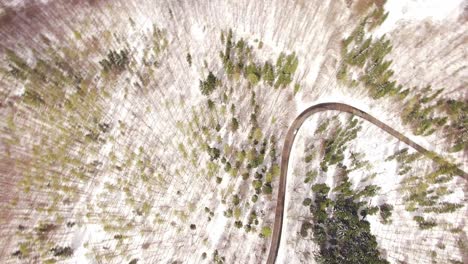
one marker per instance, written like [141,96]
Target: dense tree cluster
[424,110]
[425,191]
[286,65]
[456,130]
[419,112]
[339,226]
[404,159]
[258,158]
[335,145]
[115,61]
[238,60]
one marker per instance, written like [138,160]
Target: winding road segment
[287,147]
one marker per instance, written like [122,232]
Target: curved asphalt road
[288,142]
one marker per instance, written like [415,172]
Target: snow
[281,27]
[218,224]
[197,32]
[414,11]
[82,235]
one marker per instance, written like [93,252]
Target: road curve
[287,146]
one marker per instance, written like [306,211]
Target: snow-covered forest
[152,131]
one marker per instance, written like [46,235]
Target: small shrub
[424,224]
[266,232]
[189,59]
[209,85]
[386,213]
[267,189]
[62,251]
[254,198]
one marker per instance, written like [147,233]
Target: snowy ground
[145,106]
